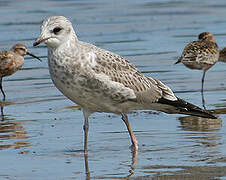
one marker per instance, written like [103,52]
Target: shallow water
[41,137]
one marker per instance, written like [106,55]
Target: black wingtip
[190,109]
[184,107]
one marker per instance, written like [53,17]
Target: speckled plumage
[102,81]
[11,61]
[201,55]
[222,56]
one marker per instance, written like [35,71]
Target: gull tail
[183,107]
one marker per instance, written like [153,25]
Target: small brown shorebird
[222,56]
[201,55]
[102,81]
[11,61]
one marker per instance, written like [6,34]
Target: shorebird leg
[2,89]
[86,129]
[132,136]
[203,77]
[203,100]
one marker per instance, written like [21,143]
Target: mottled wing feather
[147,89]
[110,60]
[119,70]
[167,93]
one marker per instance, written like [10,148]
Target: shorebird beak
[32,55]
[40,40]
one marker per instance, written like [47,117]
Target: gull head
[55,31]
[207,36]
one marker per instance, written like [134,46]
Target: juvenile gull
[201,54]
[101,81]
[11,61]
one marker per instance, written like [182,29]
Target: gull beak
[32,55]
[40,40]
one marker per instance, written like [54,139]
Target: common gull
[101,81]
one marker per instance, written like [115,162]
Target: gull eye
[56,30]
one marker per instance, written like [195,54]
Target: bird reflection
[201,125]
[131,171]
[2,114]
[2,111]
[192,123]
[11,130]
[2,105]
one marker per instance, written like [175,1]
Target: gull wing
[118,69]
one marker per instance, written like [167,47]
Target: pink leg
[132,136]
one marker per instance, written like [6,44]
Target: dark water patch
[146,72]
[34,100]
[37,12]
[194,37]
[216,6]
[166,4]
[20,23]
[150,53]
[119,132]
[162,172]
[116,33]
[28,78]
[169,13]
[43,84]
[4,3]
[38,99]
[32,68]
[220,34]
[197,90]
[97,22]
[81,3]
[80,151]
[186,36]
[40,47]
[121,41]
[126,50]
